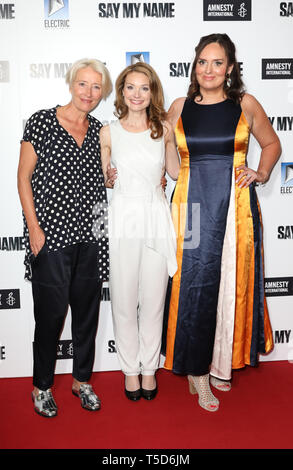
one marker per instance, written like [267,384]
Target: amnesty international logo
[222,10]
[65,349]
[56,13]
[278,286]
[242,11]
[273,69]
[9,299]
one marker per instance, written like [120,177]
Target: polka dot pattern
[68,187]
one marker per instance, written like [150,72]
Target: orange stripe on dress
[179,206]
[244,256]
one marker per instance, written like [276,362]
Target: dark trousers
[61,278]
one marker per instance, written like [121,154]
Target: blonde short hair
[97,66]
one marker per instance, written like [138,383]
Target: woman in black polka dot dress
[63,196]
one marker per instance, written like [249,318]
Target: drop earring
[228,80]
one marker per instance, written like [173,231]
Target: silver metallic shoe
[89,400]
[45,404]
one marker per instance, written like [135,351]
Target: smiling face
[86,89]
[136,91]
[212,67]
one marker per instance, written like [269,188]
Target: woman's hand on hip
[247,176]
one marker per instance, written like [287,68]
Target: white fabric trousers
[138,283]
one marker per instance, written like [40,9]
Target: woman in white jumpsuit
[142,241]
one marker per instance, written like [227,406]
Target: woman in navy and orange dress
[216,316]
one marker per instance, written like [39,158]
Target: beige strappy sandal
[206,399]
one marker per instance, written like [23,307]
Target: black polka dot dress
[68,187]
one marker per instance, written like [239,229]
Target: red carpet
[256,414]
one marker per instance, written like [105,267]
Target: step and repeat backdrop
[40,39]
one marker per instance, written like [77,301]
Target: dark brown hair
[155,111]
[236,89]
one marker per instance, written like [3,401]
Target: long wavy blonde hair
[155,111]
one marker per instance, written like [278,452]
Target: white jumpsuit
[142,246]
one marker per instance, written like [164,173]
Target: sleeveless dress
[216,316]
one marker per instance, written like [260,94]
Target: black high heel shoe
[134,395]
[149,394]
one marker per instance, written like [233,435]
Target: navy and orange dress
[216,317]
